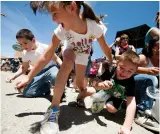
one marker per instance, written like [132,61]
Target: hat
[17,47]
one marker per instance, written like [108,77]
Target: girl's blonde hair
[42,6]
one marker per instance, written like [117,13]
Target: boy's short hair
[25,33]
[131,56]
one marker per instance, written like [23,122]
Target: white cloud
[15,20]
[27,21]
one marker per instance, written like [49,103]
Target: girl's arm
[57,59]
[100,70]
[117,53]
[148,70]
[143,70]
[144,61]
[104,46]
[133,48]
[114,43]
[45,58]
[130,112]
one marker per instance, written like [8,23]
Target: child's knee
[69,55]
[110,108]
[29,94]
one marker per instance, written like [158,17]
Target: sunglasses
[123,38]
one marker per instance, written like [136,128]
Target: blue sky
[121,16]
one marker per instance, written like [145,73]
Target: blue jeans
[142,81]
[41,83]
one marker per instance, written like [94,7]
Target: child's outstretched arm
[22,69]
[104,46]
[130,112]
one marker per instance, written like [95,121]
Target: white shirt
[33,55]
[81,43]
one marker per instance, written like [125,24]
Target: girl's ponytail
[42,6]
[88,12]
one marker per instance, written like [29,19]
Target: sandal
[80,103]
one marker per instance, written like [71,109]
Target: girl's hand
[124,130]
[105,85]
[117,39]
[154,70]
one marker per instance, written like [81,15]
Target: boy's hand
[124,130]
[8,80]
[105,85]
[22,84]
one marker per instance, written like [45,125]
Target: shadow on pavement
[116,117]
[68,116]
[29,113]
[75,116]
[48,97]
[11,94]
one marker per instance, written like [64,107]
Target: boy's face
[26,44]
[125,69]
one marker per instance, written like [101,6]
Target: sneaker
[49,125]
[153,92]
[147,122]
[148,112]
[80,102]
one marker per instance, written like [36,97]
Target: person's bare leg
[62,77]
[80,82]
[86,81]
[110,108]
[75,85]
